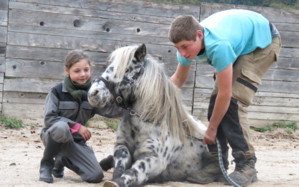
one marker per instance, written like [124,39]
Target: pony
[157,140]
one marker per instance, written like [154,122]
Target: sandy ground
[21,151]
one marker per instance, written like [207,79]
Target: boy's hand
[84,132]
[210,136]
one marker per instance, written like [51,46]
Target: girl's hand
[84,132]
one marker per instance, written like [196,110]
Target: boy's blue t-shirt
[230,34]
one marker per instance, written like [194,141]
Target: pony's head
[117,83]
[137,81]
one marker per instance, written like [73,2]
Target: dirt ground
[21,151]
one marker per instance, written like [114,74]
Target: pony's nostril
[94,93]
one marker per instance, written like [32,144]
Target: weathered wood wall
[3,37]
[35,36]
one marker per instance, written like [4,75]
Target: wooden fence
[35,36]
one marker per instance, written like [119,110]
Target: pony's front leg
[141,171]
[122,161]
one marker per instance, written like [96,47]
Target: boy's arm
[222,102]
[180,75]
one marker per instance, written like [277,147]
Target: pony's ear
[140,53]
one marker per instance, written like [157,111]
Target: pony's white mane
[159,100]
[120,58]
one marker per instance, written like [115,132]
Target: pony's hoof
[110,184]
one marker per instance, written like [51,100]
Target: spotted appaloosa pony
[157,140]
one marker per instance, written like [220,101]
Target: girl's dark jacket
[60,105]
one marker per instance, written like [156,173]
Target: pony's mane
[120,58]
[161,102]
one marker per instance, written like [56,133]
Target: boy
[241,45]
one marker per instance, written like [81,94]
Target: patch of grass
[11,122]
[112,123]
[103,122]
[262,129]
[292,126]
[289,127]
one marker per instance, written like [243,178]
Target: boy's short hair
[184,28]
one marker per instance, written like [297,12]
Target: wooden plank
[21,110]
[48,54]
[274,109]
[281,15]
[3,34]
[289,53]
[282,75]
[23,17]
[2,49]
[66,42]
[83,34]
[41,69]
[3,14]
[273,14]
[129,16]
[287,63]
[2,66]
[126,6]
[186,94]
[279,86]
[1,94]
[29,85]
[3,4]
[34,69]
[3,17]
[276,101]
[279,95]
[24,98]
[290,27]
[200,114]
[34,53]
[1,80]
[273,116]
[204,82]
[290,39]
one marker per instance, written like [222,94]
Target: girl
[66,112]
